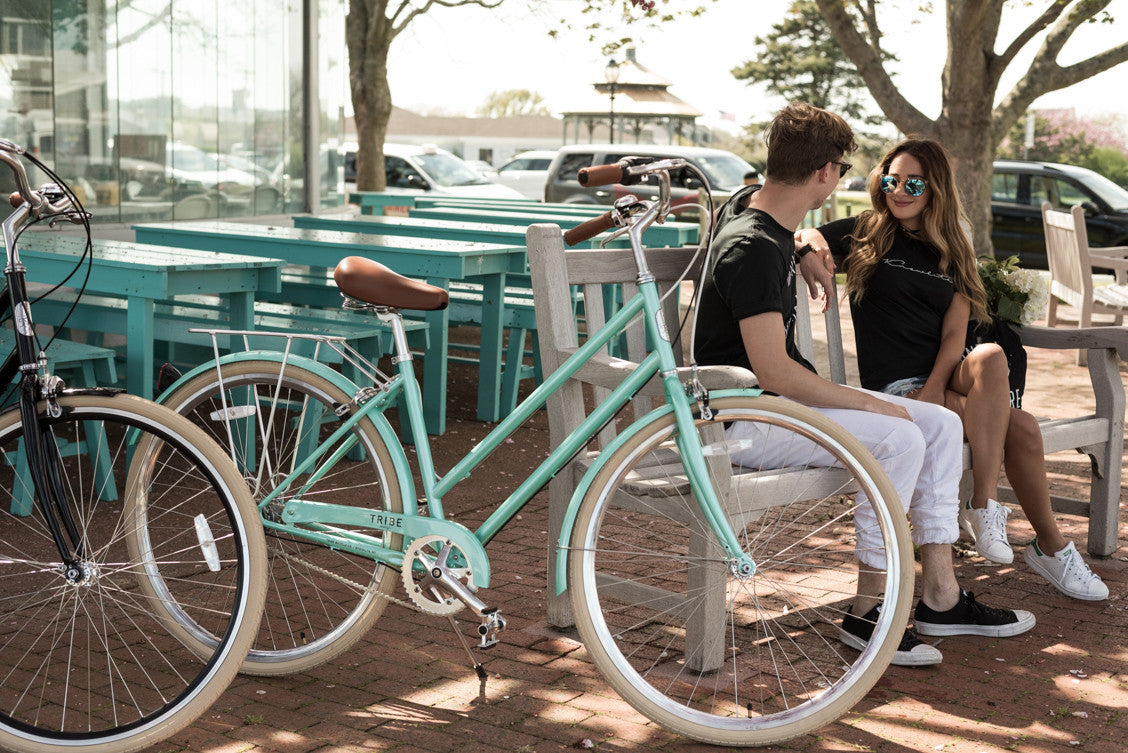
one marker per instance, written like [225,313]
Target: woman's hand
[818,267]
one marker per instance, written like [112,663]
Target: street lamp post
[611,76]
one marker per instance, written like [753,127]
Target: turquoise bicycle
[708,590]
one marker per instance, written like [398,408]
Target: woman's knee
[1023,433]
[988,363]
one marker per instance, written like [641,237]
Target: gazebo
[632,104]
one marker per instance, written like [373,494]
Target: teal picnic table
[505,205]
[374,224]
[374,202]
[147,274]
[415,227]
[668,234]
[437,261]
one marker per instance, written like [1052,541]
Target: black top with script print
[898,322]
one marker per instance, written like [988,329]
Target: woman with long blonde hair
[913,287]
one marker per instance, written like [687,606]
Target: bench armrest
[1086,338]
[608,371]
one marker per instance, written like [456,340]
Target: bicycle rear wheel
[723,658]
[90,661]
[268,417]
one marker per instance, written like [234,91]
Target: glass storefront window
[156,110]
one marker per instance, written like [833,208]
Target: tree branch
[1045,75]
[412,14]
[1036,27]
[868,62]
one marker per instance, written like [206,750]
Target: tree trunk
[368,35]
[966,113]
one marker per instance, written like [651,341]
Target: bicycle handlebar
[628,171]
[600,175]
[590,229]
[39,205]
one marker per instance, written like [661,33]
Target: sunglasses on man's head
[843,168]
[913,186]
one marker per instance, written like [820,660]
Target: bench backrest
[1067,250]
[603,276]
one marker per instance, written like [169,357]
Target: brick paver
[408,686]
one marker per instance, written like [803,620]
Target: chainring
[424,560]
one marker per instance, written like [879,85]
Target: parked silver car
[724,170]
[526,173]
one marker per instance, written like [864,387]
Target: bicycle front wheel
[90,662]
[726,658]
[268,417]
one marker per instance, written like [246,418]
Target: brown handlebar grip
[589,229]
[15,199]
[600,175]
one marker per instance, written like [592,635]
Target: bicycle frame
[411,524]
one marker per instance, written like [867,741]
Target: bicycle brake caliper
[696,391]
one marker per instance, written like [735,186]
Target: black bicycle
[100,490]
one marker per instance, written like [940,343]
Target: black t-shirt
[899,321]
[751,271]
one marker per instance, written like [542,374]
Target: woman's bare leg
[1025,464]
[979,388]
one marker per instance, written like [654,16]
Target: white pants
[923,458]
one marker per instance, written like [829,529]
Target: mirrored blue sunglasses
[913,186]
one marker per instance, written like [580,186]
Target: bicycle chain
[342,579]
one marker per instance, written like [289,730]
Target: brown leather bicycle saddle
[372,282]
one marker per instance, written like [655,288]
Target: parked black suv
[1018,190]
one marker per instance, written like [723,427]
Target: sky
[451,59]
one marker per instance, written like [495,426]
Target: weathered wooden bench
[1099,435]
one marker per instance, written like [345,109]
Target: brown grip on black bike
[589,229]
[15,199]
[600,175]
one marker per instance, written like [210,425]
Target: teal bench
[78,365]
[173,320]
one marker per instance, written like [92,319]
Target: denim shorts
[903,387]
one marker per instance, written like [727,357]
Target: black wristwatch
[804,250]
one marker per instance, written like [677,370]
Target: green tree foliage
[799,60]
[506,104]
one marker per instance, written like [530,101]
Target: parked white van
[410,168]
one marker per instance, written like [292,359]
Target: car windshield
[449,171]
[725,171]
[1112,194]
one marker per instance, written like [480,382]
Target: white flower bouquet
[1015,295]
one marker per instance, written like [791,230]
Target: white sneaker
[988,529]
[1067,571]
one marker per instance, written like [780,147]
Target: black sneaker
[969,617]
[912,652]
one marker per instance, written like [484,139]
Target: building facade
[159,109]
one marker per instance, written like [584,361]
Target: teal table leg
[489,356]
[242,310]
[435,365]
[140,334]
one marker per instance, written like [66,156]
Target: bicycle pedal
[492,624]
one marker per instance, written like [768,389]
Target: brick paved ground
[408,686]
